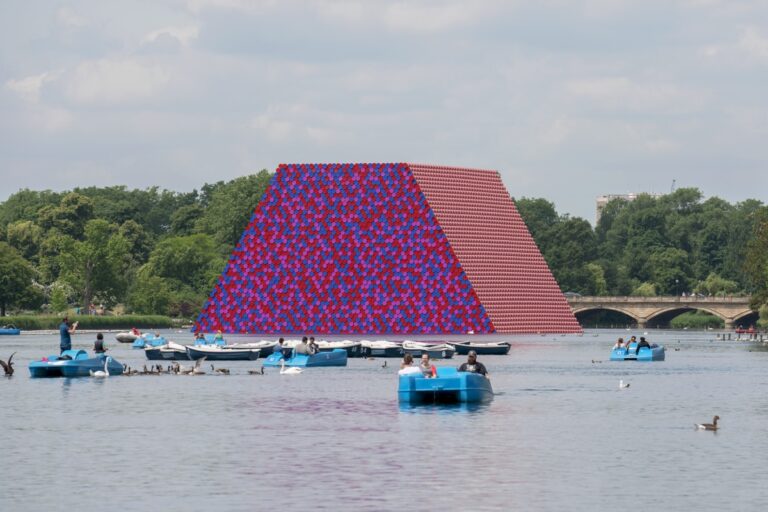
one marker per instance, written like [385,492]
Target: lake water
[559,434]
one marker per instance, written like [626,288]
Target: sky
[568,100]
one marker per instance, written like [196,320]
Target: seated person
[426,366]
[98,345]
[199,336]
[473,366]
[301,348]
[278,349]
[312,347]
[135,331]
[407,367]
[219,335]
[619,344]
[630,342]
[642,344]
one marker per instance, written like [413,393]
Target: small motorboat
[336,357]
[9,330]
[170,352]
[630,353]
[499,348]
[225,353]
[126,337]
[449,386]
[381,348]
[353,348]
[148,339]
[435,350]
[74,363]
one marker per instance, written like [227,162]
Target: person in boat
[312,347]
[407,367]
[642,344]
[66,330]
[426,366]
[199,336]
[301,348]
[98,345]
[619,344]
[632,340]
[135,331]
[278,349]
[219,335]
[473,365]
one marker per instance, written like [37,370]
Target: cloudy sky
[567,99]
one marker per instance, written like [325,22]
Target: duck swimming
[708,426]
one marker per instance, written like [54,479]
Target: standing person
[65,334]
[98,345]
[473,365]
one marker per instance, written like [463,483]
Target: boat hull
[483,349]
[336,357]
[222,354]
[126,337]
[80,365]
[450,386]
[164,354]
[437,352]
[6,331]
[656,353]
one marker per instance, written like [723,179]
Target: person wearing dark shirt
[473,366]
[642,344]
[98,345]
[313,348]
[65,334]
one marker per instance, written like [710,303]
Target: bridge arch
[585,312]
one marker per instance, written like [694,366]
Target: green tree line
[666,245]
[147,251]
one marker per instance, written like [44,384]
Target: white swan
[622,385]
[293,370]
[98,374]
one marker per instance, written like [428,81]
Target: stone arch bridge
[650,311]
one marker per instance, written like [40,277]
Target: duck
[98,374]
[384,365]
[8,367]
[220,371]
[256,372]
[289,371]
[708,426]
[623,385]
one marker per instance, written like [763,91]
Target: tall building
[386,248]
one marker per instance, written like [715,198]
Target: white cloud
[67,17]
[115,81]
[29,88]
[182,34]
[621,92]
[754,43]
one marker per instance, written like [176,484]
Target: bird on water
[708,426]
[623,385]
[8,367]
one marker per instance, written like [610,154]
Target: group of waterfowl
[178,369]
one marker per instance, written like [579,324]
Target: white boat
[225,353]
[353,348]
[126,337]
[435,350]
[382,348]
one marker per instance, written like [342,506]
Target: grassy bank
[46,322]
[696,320]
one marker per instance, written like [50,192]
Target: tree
[184,219]
[25,236]
[150,295]
[15,277]
[231,207]
[539,216]
[756,264]
[644,290]
[191,261]
[96,266]
[716,285]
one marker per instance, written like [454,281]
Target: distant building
[605,199]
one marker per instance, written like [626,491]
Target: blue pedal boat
[336,357]
[654,353]
[149,340]
[450,386]
[10,330]
[210,339]
[73,363]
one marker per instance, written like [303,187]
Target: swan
[708,426]
[197,370]
[289,371]
[622,385]
[98,374]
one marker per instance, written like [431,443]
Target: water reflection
[446,409]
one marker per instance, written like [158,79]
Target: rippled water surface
[559,434]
